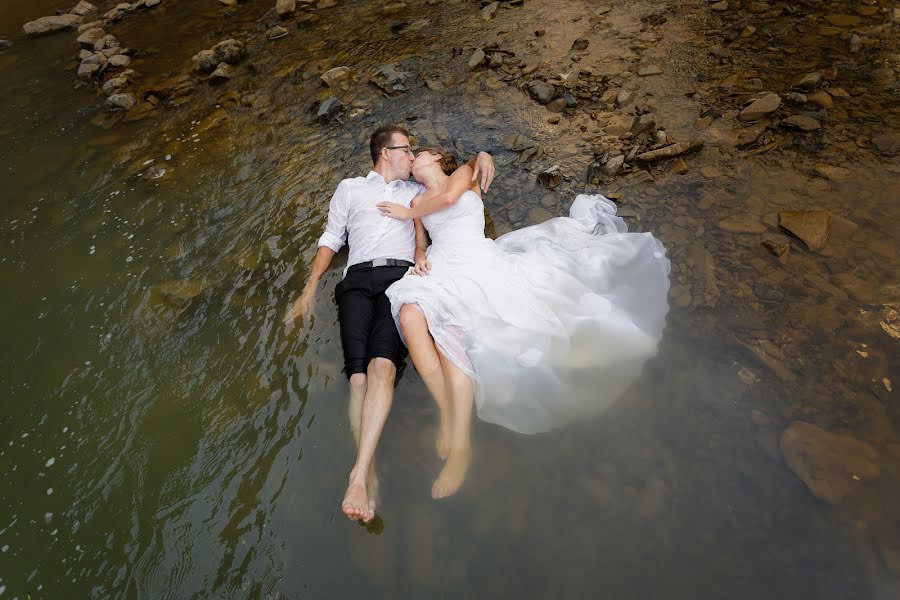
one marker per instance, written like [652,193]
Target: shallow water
[157,450]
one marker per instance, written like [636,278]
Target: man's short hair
[382,138]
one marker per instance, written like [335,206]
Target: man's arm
[304,304]
[330,242]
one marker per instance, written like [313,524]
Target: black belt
[382,262]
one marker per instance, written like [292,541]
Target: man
[381,251]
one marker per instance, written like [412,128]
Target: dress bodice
[460,222]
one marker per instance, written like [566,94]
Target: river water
[164,436]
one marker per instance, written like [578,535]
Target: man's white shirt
[354,218]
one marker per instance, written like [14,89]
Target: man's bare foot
[356,501]
[444,438]
[453,474]
[373,489]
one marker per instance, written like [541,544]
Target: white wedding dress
[553,321]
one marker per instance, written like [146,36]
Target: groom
[381,251]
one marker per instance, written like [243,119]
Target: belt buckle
[380,262]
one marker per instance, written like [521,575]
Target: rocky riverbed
[758,140]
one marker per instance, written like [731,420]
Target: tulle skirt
[553,321]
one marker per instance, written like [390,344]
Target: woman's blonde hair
[448,162]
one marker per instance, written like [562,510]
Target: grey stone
[222,73]
[490,11]
[329,108]
[51,24]
[114,85]
[643,123]
[477,58]
[613,165]
[391,80]
[276,32]
[119,60]
[580,45]
[83,8]
[541,91]
[88,70]
[122,100]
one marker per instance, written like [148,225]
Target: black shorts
[367,327]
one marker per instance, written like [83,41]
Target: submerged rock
[178,294]
[222,73]
[123,101]
[830,465]
[276,32]
[51,24]
[801,122]
[887,143]
[811,227]
[285,8]
[228,51]
[391,80]
[807,82]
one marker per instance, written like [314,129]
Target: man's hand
[395,211]
[302,306]
[484,171]
[422,267]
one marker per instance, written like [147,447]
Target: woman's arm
[460,181]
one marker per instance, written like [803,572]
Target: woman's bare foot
[453,474]
[356,501]
[444,438]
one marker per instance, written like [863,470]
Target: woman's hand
[395,211]
[422,267]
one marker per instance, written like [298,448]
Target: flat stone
[619,125]
[556,106]
[178,294]
[719,6]
[645,122]
[801,122]
[830,465]
[858,289]
[821,98]
[648,70]
[779,245]
[51,24]
[812,227]
[839,20]
[276,32]
[807,82]
[580,45]
[887,143]
[742,223]
[761,107]
[223,72]
[833,172]
[749,135]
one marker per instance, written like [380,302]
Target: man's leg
[461,391]
[357,395]
[427,361]
[375,408]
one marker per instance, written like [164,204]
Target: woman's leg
[461,392]
[427,361]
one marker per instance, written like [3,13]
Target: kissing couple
[540,327]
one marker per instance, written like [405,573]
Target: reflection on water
[163,436]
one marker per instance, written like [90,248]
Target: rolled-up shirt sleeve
[335,233]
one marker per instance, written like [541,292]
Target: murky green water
[154,447]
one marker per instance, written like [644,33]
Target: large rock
[51,24]
[830,465]
[810,226]
[541,91]
[760,107]
[329,108]
[285,7]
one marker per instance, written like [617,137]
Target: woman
[539,327]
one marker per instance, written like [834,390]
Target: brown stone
[811,227]
[830,465]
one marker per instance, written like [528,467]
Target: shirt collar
[373,176]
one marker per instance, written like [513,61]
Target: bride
[538,328]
